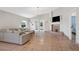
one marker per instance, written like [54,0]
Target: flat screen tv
[56,19]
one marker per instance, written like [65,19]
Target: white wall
[32,24]
[65,23]
[9,20]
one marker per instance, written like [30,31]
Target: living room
[27,22]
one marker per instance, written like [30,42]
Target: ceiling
[28,12]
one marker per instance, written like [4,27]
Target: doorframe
[71,25]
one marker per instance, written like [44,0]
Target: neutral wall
[9,20]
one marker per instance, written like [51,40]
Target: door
[39,25]
[73,28]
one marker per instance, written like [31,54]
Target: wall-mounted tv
[56,19]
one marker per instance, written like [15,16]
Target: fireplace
[55,27]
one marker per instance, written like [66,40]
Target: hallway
[45,41]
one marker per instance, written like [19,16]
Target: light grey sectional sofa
[15,36]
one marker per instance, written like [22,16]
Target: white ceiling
[28,12]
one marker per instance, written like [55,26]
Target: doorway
[73,28]
[39,25]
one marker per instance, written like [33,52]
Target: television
[56,19]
